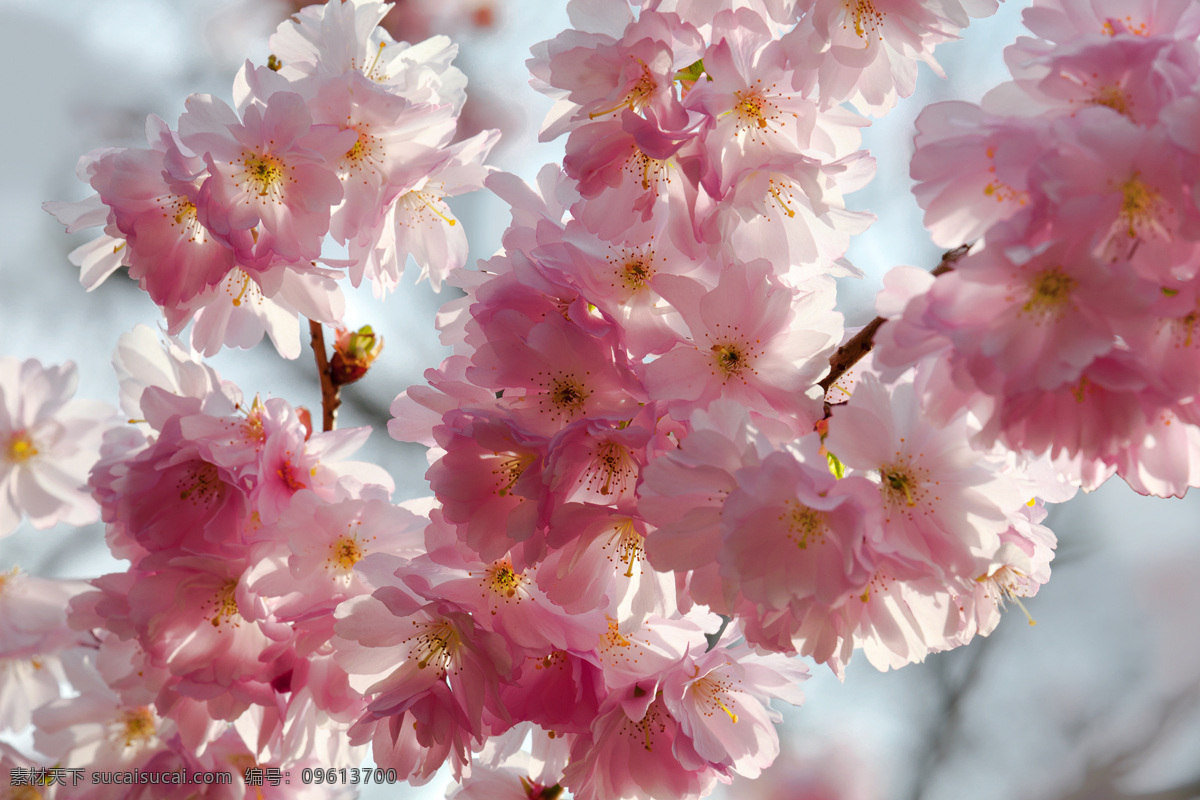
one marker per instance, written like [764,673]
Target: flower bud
[354,352]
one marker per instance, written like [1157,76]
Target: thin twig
[861,343]
[330,398]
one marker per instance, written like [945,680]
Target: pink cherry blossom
[748,339]
[656,757]
[596,73]
[271,171]
[48,442]
[721,699]
[942,500]
[971,169]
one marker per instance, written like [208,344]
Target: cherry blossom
[49,441]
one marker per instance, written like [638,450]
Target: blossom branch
[861,343]
[330,397]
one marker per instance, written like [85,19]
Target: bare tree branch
[861,343]
[330,396]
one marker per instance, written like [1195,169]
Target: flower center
[644,730]
[999,189]
[712,694]
[1049,290]
[612,468]
[779,194]
[137,727]
[864,17]
[252,426]
[288,472]
[364,155]
[246,288]
[1005,585]
[201,484]
[1113,97]
[899,485]
[626,542]
[509,470]
[224,606]
[805,525]
[567,396]
[345,553]
[1140,209]
[1114,25]
[21,448]
[752,109]
[651,171]
[263,174]
[638,97]
[421,203]
[503,582]
[437,645]
[731,358]
[635,272]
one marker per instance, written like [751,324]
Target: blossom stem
[861,343]
[330,399]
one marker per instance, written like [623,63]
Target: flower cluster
[242,529]
[632,434]
[1070,333]
[650,487]
[345,134]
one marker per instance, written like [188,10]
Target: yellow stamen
[237,301]
[430,205]
[1050,289]
[21,448]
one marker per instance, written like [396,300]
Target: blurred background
[1099,701]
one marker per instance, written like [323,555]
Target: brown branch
[330,399]
[861,343]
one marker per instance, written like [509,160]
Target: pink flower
[560,370]
[598,561]
[244,306]
[644,753]
[418,222]
[1122,184]
[1065,21]
[1021,319]
[746,95]
[627,173]
[1019,569]
[48,442]
[794,538]
[171,253]
[866,53]
[34,635]
[620,278]
[335,38]
[1132,75]
[98,729]
[271,171]
[721,699]
[750,339]
[326,540]
[170,495]
[559,690]
[788,209]
[943,502]
[489,481]
[399,144]
[434,676]
[630,64]
[684,491]
[971,169]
